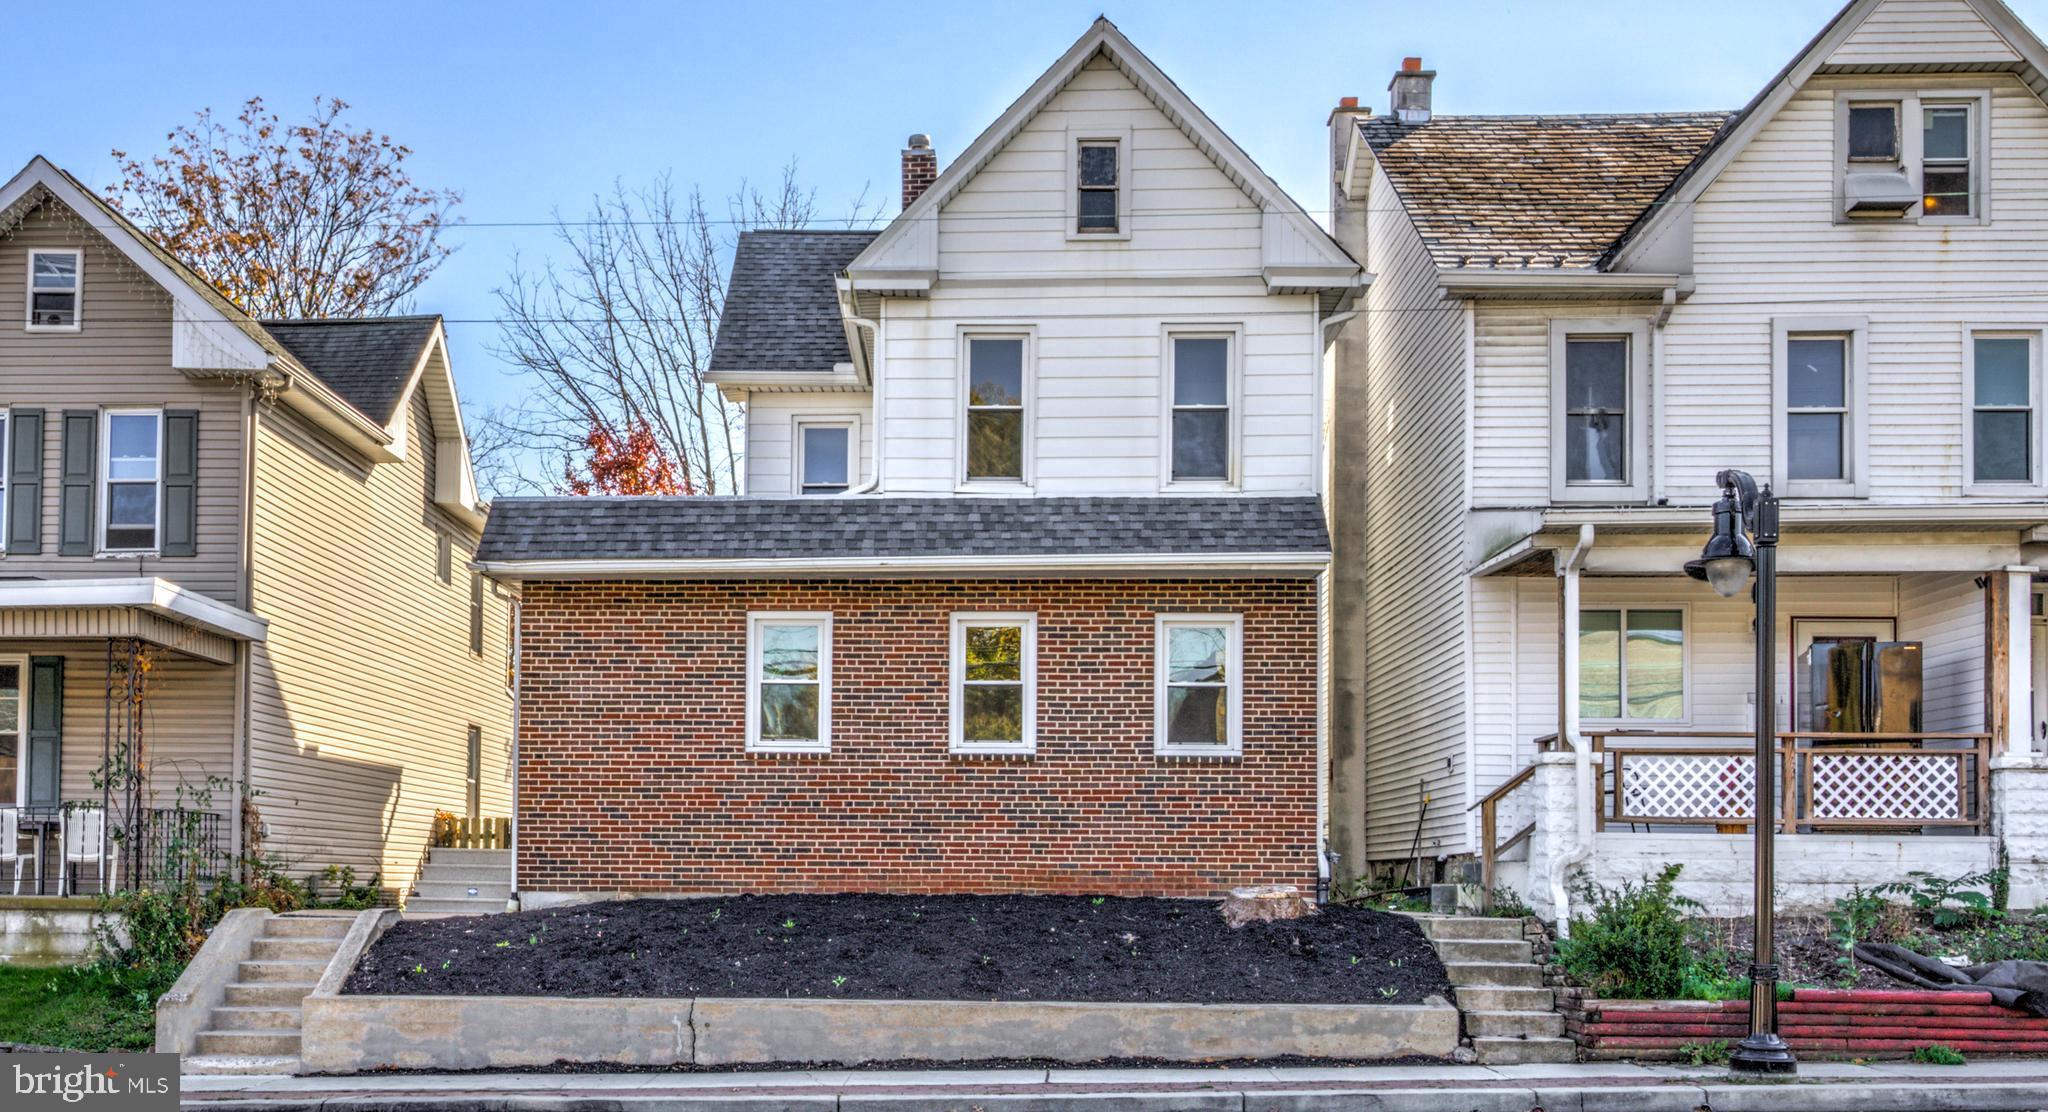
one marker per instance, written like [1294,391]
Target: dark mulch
[910,948]
[1806,954]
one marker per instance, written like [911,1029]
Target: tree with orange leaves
[633,464]
[310,219]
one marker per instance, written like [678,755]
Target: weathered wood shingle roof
[1534,192]
[782,305]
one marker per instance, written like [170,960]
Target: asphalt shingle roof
[787,528]
[368,360]
[1535,192]
[781,305]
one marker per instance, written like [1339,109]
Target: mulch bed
[910,948]
[1806,953]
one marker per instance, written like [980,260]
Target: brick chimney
[920,167]
[1411,89]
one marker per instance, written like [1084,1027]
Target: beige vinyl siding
[771,435]
[1922,32]
[121,356]
[1415,586]
[363,693]
[1186,216]
[188,724]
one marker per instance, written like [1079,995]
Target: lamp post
[1745,539]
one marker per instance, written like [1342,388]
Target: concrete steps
[256,1027]
[462,882]
[1509,1016]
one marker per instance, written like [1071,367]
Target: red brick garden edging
[1820,1023]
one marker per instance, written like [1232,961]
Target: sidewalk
[1992,1086]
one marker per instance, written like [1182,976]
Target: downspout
[512,861]
[874,390]
[245,665]
[1560,867]
[1656,429]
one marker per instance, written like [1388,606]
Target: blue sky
[531,107]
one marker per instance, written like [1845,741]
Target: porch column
[2013,717]
[2019,772]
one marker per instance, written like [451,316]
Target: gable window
[2003,432]
[826,460]
[994,683]
[1202,388]
[1945,154]
[131,479]
[1874,132]
[1097,177]
[1598,387]
[53,291]
[996,426]
[1818,426]
[789,683]
[1632,665]
[1199,685]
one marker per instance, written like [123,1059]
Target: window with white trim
[1599,404]
[1873,134]
[53,290]
[994,683]
[1199,685]
[1819,426]
[996,419]
[1947,145]
[1915,155]
[2004,389]
[827,455]
[1098,176]
[1201,422]
[1632,664]
[789,682]
[131,479]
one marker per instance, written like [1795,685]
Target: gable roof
[1533,192]
[1298,255]
[369,361]
[782,308]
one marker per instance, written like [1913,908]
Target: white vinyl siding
[1922,32]
[771,423]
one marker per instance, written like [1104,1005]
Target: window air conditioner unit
[1878,195]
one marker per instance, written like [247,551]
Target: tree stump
[1266,903]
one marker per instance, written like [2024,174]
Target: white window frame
[1637,332]
[755,620]
[1121,136]
[2036,483]
[1912,147]
[1231,333]
[806,421]
[961,355]
[1685,662]
[1233,685]
[957,684]
[1855,481]
[105,508]
[28,296]
[20,661]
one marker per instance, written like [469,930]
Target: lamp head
[1727,560]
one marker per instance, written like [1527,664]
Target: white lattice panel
[1688,786]
[1918,786]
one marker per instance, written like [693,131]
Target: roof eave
[1289,564]
[1475,284]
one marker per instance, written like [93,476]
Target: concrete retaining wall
[346,1033]
[181,1013]
[45,930]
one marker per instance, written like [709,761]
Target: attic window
[1945,160]
[1874,132]
[53,291]
[1096,177]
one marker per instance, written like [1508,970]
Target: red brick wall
[634,775]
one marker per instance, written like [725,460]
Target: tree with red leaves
[636,464]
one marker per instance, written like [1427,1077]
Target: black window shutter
[25,481]
[476,613]
[74,499]
[181,483]
[45,730]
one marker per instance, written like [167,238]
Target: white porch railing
[1827,782]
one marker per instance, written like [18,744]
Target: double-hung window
[1945,159]
[1632,665]
[997,428]
[1598,388]
[53,291]
[1199,685]
[789,682]
[1819,428]
[1097,177]
[131,479]
[1202,389]
[2004,432]
[994,683]
[826,455]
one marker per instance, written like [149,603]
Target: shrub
[1950,903]
[348,895]
[1704,1054]
[1864,915]
[1508,904]
[1636,943]
[1936,1054]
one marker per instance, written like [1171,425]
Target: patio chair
[85,839]
[10,846]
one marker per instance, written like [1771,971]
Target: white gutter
[875,402]
[158,596]
[1280,563]
[1568,730]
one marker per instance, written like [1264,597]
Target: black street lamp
[1745,538]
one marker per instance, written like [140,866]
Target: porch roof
[146,608]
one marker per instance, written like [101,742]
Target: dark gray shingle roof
[367,360]
[781,306]
[790,528]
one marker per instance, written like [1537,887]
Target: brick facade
[634,775]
